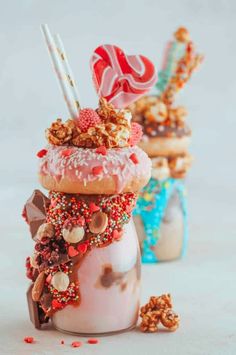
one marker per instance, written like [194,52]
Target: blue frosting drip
[151,206]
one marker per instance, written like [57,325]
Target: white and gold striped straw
[61,74]
[67,69]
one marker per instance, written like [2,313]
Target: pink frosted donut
[87,171]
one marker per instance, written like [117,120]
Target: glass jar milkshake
[161,213]
[85,267]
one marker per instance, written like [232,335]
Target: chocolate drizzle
[154,129]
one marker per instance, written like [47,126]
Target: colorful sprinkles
[151,206]
[55,256]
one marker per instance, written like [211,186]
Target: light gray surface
[203,284]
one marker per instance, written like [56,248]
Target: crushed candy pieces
[134,158]
[92,341]
[76,344]
[42,153]
[158,310]
[102,150]
[66,152]
[29,340]
[97,170]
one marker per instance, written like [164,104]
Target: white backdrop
[30,99]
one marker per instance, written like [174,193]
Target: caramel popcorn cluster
[160,108]
[60,133]
[176,166]
[113,129]
[151,109]
[158,310]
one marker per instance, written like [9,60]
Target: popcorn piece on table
[158,309]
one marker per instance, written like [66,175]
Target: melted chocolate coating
[154,129]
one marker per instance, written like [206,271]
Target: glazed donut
[165,146]
[71,169]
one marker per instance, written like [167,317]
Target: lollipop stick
[60,73]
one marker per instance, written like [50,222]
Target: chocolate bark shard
[37,316]
[35,211]
[46,301]
[33,309]
[62,259]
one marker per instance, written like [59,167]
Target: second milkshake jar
[161,213]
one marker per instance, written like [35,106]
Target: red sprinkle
[72,251]
[62,342]
[76,344]
[82,248]
[41,153]
[93,207]
[66,152]
[97,170]
[134,158]
[102,150]
[92,341]
[29,340]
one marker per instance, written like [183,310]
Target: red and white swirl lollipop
[119,78]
